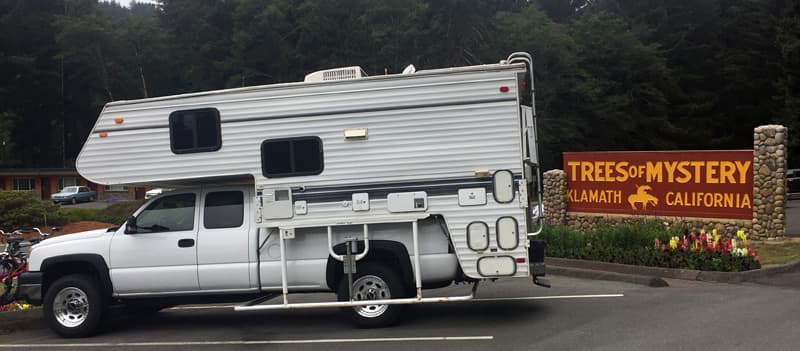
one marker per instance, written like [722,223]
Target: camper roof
[488,67]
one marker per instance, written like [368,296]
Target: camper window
[291,157]
[224,209]
[193,131]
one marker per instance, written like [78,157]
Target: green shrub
[118,212]
[633,244]
[24,209]
[115,213]
[74,214]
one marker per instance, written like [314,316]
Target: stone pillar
[554,197]
[769,182]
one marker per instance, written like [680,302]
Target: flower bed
[650,244]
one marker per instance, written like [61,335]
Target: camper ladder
[417,274]
[532,140]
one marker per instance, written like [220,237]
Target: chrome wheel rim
[370,287]
[71,307]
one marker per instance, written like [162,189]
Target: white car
[154,192]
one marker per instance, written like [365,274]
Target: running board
[407,301]
[261,299]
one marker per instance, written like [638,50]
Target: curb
[653,282]
[672,273]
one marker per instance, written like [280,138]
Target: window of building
[115,188]
[224,209]
[65,182]
[24,184]
[167,214]
[193,131]
[291,157]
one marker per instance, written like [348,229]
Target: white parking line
[556,297]
[553,297]
[251,342]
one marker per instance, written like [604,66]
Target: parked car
[793,183]
[155,192]
[74,194]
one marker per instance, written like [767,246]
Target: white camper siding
[313,245]
[426,126]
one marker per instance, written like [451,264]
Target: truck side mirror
[130,225]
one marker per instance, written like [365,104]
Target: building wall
[52,185]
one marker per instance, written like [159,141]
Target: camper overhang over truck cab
[373,188]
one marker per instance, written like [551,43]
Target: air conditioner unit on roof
[344,73]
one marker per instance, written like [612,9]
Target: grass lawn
[778,253]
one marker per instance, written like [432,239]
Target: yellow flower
[740,234]
[673,242]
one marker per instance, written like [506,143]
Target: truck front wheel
[373,282]
[74,306]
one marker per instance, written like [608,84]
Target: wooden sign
[704,184]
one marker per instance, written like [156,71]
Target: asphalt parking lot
[793,218]
[575,314]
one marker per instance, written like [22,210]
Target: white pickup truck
[202,245]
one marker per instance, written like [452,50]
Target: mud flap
[538,269]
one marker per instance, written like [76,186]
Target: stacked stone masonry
[769,196]
[554,196]
[769,182]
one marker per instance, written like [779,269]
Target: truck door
[161,255]
[223,253]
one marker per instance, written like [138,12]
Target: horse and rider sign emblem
[707,184]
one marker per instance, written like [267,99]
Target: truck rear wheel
[74,306]
[373,282]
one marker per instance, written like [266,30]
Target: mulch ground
[70,228]
[76,227]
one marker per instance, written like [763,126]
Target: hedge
[23,209]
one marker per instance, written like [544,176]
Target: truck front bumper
[30,287]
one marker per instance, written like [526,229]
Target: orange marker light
[504,89]
[118,120]
[103,134]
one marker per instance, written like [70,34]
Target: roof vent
[344,73]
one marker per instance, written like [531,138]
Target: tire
[373,281]
[74,306]
[8,286]
[91,198]
[74,201]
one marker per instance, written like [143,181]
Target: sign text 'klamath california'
[708,184]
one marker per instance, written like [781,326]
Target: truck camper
[373,188]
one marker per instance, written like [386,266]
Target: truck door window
[168,214]
[224,209]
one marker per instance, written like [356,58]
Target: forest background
[611,74]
